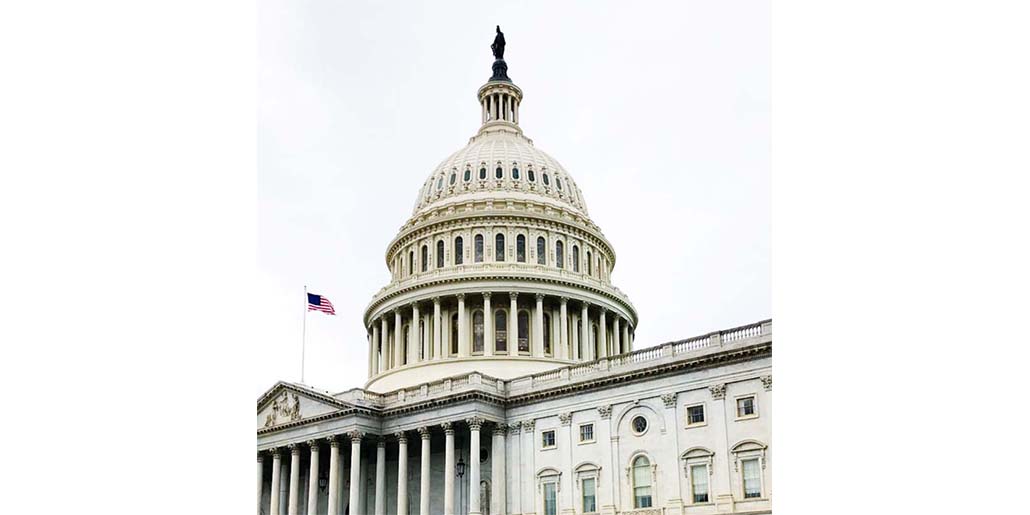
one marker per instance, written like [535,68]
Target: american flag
[320,303]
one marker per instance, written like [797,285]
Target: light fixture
[323,481]
[461,467]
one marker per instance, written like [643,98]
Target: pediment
[285,403]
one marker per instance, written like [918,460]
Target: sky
[659,111]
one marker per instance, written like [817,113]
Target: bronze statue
[498,44]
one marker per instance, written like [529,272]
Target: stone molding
[718,391]
[767,382]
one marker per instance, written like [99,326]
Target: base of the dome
[502,367]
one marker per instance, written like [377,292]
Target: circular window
[639,425]
[483,454]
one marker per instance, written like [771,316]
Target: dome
[500,164]
[499,270]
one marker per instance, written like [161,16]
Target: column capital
[605,411]
[529,425]
[767,382]
[539,297]
[294,448]
[355,436]
[514,295]
[436,301]
[486,295]
[669,399]
[333,441]
[603,310]
[424,432]
[475,423]
[460,296]
[586,304]
[448,427]
[276,452]
[500,429]
[564,300]
[313,445]
[260,457]
[397,311]
[718,391]
[381,442]
[402,436]
[514,427]
[565,418]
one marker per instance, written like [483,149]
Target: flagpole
[303,334]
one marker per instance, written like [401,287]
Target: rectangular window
[547,439]
[752,479]
[745,406]
[589,495]
[699,482]
[586,433]
[550,499]
[695,415]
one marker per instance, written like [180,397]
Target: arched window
[557,181]
[439,254]
[515,172]
[454,334]
[597,340]
[482,173]
[439,183]
[547,180]
[501,330]
[523,323]
[541,251]
[425,258]
[411,262]
[559,254]
[499,173]
[499,247]
[454,177]
[641,482]
[468,175]
[477,331]
[421,339]
[404,348]
[590,264]
[532,176]
[520,248]
[575,258]
[459,250]
[479,248]
[547,334]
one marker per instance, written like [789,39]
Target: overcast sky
[660,113]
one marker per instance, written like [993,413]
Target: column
[415,340]
[463,336]
[513,325]
[497,483]
[355,468]
[274,493]
[602,334]
[607,498]
[384,344]
[437,330]
[475,423]
[538,328]
[313,478]
[516,463]
[375,348]
[616,341]
[528,459]
[293,504]
[398,338]
[563,328]
[585,333]
[380,505]
[402,473]
[625,338]
[488,326]
[260,479]
[334,474]
[371,343]
[720,488]
[424,473]
[448,469]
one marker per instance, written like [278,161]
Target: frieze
[283,410]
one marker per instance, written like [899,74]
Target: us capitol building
[502,375]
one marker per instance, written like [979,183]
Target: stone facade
[502,375]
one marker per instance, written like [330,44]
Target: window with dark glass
[477,331]
[586,433]
[559,254]
[439,254]
[411,262]
[454,177]
[699,483]
[468,175]
[532,176]
[499,173]
[547,180]
[695,414]
[541,251]
[575,258]
[515,172]
[547,439]
[639,424]
[589,495]
[523,323]
[590,264]
[557,182]
[439,183]
[425,258]
[479,248]
[459,250]
[499,248]
[501,331]
[547,334]
[482,173]
[520,248]
[454,333]
[745,406]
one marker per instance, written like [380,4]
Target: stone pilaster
[425,472]
[448,469]
[402,473]
[355,469]
[475,424]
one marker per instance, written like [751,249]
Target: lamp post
[460,470]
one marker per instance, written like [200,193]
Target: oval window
[547,180]
[532,176]
[499,172]
[639,425]
[468,175]
[482,173]
[515,172]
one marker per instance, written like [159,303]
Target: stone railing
[476,381]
